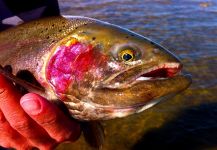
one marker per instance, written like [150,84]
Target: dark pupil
[127,57]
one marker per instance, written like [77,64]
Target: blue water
[189,29]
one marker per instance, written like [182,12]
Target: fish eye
[126,52]
[127,55]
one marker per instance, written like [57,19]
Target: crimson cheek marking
[67,63]
[83,62]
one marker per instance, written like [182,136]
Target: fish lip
[168,65]
[140,77]
[187,77]
[137,108]
[139,105]
[122,111]
[174,66]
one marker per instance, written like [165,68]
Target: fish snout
[164,55]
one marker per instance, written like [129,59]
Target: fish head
[102,71]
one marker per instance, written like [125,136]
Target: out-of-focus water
[189,29]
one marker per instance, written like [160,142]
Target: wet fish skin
[77,60]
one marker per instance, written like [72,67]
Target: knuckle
[2,91]
[61,137]
[5,145]
[3,94]
[24,146]
[21,125]
[2,118]
[54,124]
[49,121]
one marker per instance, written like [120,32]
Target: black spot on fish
[46,29]
[93,38]
[127,37]
[76,28]
[60,30]
[150,95]
[48,37]
[63,22]
[42,31]
[52,25]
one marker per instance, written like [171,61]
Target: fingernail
[31,106]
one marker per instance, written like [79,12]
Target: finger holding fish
[20,131]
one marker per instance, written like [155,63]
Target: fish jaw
[116,100]
[143,95]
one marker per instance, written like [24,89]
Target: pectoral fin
[93,133]
[27,85]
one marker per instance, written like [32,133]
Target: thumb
[47,115]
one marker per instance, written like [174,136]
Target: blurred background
[188,28]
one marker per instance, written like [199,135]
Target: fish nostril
[156,51]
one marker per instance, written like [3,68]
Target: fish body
[99,70]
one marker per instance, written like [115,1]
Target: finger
[10,138]
[50,118]
[18,119]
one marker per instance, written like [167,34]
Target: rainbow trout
[98,70]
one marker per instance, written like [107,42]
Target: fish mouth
[141,87]
[137,74]
[163,71]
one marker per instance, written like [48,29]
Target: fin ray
[30,87]
[93,133]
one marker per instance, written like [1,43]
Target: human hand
[31,121]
